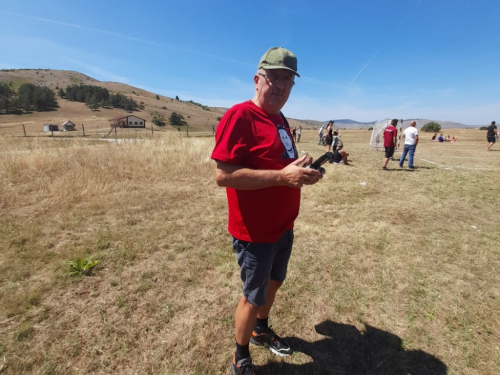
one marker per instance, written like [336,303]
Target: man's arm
[416,140]
[241,178]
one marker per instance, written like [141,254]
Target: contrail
[387,40]
[124,37]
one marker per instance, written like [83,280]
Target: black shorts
[491,138]
[261,262]
[389,152]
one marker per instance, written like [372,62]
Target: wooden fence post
[187,130]
[151,129]
[83,130]
[24,130]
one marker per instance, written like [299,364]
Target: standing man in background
[390,139]
[329,135]
[410,135]
[320,134]
[491,135]
[256,161]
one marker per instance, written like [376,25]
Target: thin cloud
[128,37]
[386,41]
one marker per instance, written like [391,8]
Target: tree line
[28,97]
[96,97]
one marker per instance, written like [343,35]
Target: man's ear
[256,80]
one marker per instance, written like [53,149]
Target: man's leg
[263,334]
[403,156]
[410,158]
[263,311]
[245,317]
[246,313]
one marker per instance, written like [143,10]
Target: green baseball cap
[279,58]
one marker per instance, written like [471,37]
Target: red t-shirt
[389,134]
[249,137]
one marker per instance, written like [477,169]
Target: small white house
[127,121]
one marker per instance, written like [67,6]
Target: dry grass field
[393,272]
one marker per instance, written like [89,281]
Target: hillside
[199,120]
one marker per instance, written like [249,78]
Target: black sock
[242,351]
[261,325]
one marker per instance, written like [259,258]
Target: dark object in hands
[319,162]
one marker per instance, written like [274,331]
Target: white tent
[377,138]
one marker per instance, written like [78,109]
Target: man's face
[273,89]
[285,139]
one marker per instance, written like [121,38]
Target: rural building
[68,126]
[50,128]
[127,121]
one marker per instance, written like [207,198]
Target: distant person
[410,135]
[320,134]
[294,134]
[434,137]
[447,139]
[329,135]
[390,139]
[441,139]
[335,140]
[340,156]
[490,135]
[453,139]
[299,133]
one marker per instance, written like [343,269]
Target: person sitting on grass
[340,156]
[434,137]
[441,139]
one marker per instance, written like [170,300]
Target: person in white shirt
[320,134]
[410,135]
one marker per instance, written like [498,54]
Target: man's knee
[275,285]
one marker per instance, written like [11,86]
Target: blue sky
[358,59]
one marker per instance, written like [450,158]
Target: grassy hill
[199,120]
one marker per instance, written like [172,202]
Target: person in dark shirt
[340,156]
[390,135]
[491,135]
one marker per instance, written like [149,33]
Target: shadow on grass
[345,350]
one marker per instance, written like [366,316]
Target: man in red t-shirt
[257,163]
[390,135]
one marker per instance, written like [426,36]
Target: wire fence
[29,130]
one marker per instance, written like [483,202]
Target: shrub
[432,126]
[177,119]
[158,120]
[483,128]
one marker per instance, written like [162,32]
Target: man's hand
[293,175]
